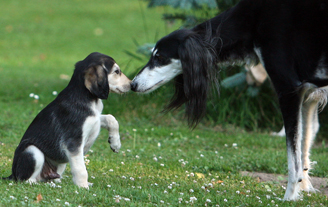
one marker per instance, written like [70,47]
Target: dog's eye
[117,71]
[158,56]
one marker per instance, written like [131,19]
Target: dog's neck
[232,33]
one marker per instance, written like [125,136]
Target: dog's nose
[134,86]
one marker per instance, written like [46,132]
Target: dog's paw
[84,185]
[32,182]
[115,143]
[115,147]
[57,180]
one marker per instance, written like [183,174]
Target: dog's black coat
[291,34]
[61,121]
[289,37]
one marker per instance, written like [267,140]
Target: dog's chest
[321,71]
[91,126]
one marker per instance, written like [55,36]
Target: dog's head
[164,64]
[189,58]
[102,75]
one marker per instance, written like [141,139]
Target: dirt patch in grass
[318,183]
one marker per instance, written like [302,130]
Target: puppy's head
[102,75]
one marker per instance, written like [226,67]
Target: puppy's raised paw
[116,148]
[115,143]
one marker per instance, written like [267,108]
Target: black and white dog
[65,130]
[289,37]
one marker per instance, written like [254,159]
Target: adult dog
[289,37]
[66,129]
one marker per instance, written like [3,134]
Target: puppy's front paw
[32,181]
[115,143]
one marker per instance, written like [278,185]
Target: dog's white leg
[311,127]
[39,161]
[294,137]
[307,126]
[61,168]
[110,123]
[78,169]
[295,170]
[311,124]
[60,171]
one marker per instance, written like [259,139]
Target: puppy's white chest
[91,126]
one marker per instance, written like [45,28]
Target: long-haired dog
[289,37]
[65,129]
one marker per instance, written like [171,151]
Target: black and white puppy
[289,37]
[64,131]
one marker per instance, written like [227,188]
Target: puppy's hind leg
[60,171]
[110,123]
[28,164]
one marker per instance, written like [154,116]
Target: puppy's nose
[134,86]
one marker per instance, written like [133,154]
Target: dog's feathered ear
[198,62]
[96,81]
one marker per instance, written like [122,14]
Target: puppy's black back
[61,121]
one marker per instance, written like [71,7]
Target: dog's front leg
[277,60]
[110,123]
[78,169]
[291,107]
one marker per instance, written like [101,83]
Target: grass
[161,161]
[165,165]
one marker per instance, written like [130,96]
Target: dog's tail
[11,177]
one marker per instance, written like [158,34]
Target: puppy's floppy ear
[96,81]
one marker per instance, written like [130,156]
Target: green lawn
[161,162]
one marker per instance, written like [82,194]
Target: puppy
[65,130]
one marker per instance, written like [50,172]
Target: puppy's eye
[117,71]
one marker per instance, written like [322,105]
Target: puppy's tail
[11,177]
